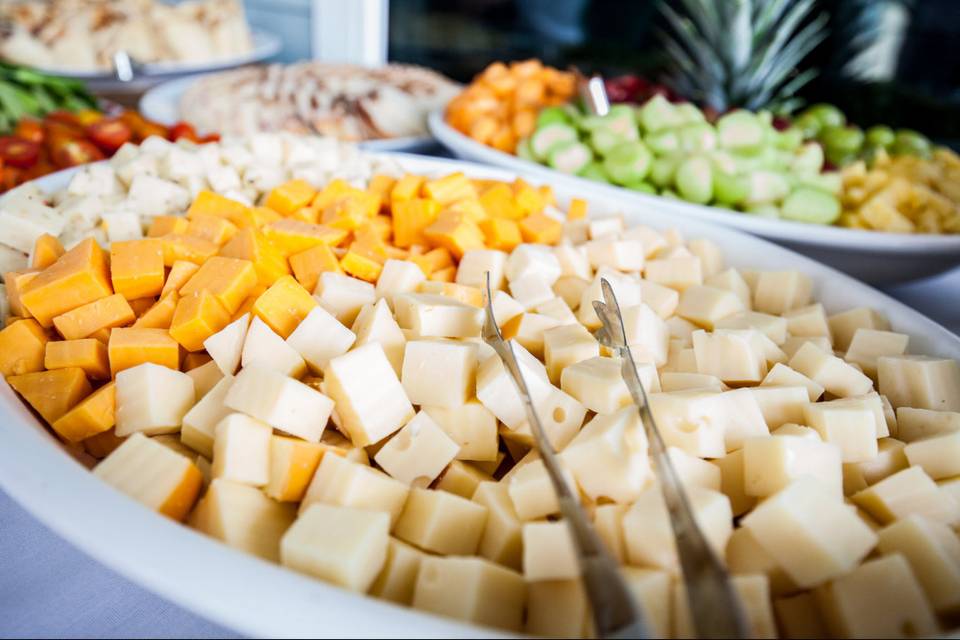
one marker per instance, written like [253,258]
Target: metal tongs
[714,606]
[593,92]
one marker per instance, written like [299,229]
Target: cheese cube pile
[299,374]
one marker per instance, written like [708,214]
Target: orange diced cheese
[500,233]
[79,276]
[208,203]
[499,202]
[284,305]
[406,188]
[547,194]
[294,236]
[132,346]
[88,354]
[577,209]
[105,313]
[194,360]
[15,282]
[380,227]
[103,335]
[52,393]
[472,210]
[180,273]
[46,251]
[292,465]
[456,233]
[445,275]
[141,305]
[459,292]
[410,218]
[541,228]
[136,268]
[160,315]
[196,318]
[381,185]
[308,265]
[334,190]
[22,348]
[305,214]
[216,230]
[230,280]
[256,217]
[434,260]
[251,245]
[451,188]
[162,225]
[529,199]
[95,414]
[247,306]
[361,266]
[177,246]
[102,444]
[351,212]
[290,196]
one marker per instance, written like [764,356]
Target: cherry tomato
[10,177]
[184,130]
[87,117]
[41,168]
[109,134]
[71,152]
[210,137]
[58,129]
[17,152]
[64,117]
[28,129]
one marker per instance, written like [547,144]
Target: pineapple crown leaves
[741,53]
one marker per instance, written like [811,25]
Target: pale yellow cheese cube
[745,556]
[152,399]
[471,589]
[705,306]
[732,482]
[226,345]
[777,292]
[531,291]
[783,376]
[528,329]
[844,325]
[341,545]
[871,402]
[677,272]
[753,591]
[652,590]
[263,348]
[627,290]
[531,491]
[205,377]
[398,276]
[608,522]
[693,471]
[793,344]
[808,321]
[198,426]
[791,429]
[907,492]
[691,420]
[567,345]
[501,541]
[869,344]
[461,478]
[852,430]
[548,552]
[597,384]
[471,426]
[498,392]
[742,417]
[917,424]
[570,289]
[282,402]
[729,354]
[398,578]
[557,609]
[933,551]
[439,373]
[920,381]
[774,327]
[441,522]
[799,617]
[375,323]
[476,263]
[647,334]
[344,296]
[829,371]
[319,337]
[661,299]
[731,280]
[430,315]
[711,256]
[241,450]
[780,405]
[770,464]
[341,482]
[559,310]
[890,459]
[939,455]
[677,381]
[418,452]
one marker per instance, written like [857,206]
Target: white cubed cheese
[573,261]
[844,325]
[707,306]
[917,424]
[200,422]
[692,420]
[281,402]
[771,463]
[441,522]
[548,552]
[729,354]
[265,349]
[152,399]
[777,292]
[122,225]
[375,323]
[476,263]
[418,452]
[647,334]
[532,259]
[439,373]
[567,345]
[919,381]
[398,276]
[429,315]
[343,296]
[774,327]
[783,376]
[471,426]
[226,345]
[319,337]
[661,299]
[241,450]
[597,384]
[933,551]
[829,371]
[677,272]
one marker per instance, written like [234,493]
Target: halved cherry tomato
[10,177]
[71,152]
[210,137]
[41,168]
[58,129]
[184,130]
[28,129]
[109,134]
[64,117]
[17,152]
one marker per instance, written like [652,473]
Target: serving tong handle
[714,606]
[615,612]
[593,92]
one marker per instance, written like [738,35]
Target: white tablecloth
[48,588]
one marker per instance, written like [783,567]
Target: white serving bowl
[872,256]
[256,598]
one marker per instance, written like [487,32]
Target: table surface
[50,589]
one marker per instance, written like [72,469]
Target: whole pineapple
[741,53]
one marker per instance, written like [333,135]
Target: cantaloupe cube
[160,315]
[79,276]
[22,348]
[105,313]
[196,318]
[88,354]
[52,393]
[46,250]
[284,305]
[229,280]
[95,414]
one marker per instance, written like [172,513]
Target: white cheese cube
[431,315]
[770,464]
[680,331]
[471,589]
[933,551]
[498,392]
[608,458]
[782,375]
[774,327]
[346,483]
[11,260]
[871,402]
[375,323]
[152,399]
[319,337]
[652,591]
[729,354]
[890,459]
[917,424]
[226,345]
[829,371]
[879,599]
[777,292]
[625,288]
[122,225]
[22,221]
[566,345]
[205,378]
[798,431]
[652,239]
[418,452]
[241,450]
[605,227]
[344,546]
[808,321]
[461,479]
[561,416]
[677,381]
[869,344]
[939,455]
[608,522]
[711,257]
[693,471]
[780,405]
[370,400]
[661,299]
[813,536]
[792,344]
[691,420]
[753,592]
[574,262]
[851,429]
[597,384]
[919,381]
[505,308]
[907,492]
[441,522]
[150,195]
[343,296]
[557,609]
[283,403]
[528,329]
[706,306]
[398,276]
[439,373]
[622,255]
[744,418]
[471,426]
[476,263]
[265,349]
[732,281]
[677,272]
[570,289]
[398,578]
[844,325]
[647,333]
[680,359]
[200,422]
[95,180]
[501,541]
[745,556]
[557,309]
[548,552]
[532,259]
[531,491]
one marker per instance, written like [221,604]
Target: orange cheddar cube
[256,217]
[216,230]
[351,212]
[451,188]
[501,233]
[459,292]
[88,354]
[230,280]
[454,232]
[52,393]
[529,199]
[178,246]
[292,465]
[577,209]
[308,265]
[499,202]
[162,225]
[305,214]
[290,196]
[141,305]
[15,281]
[433,260]
[46,251]
[382,185]
[410,218]
[250,244]
[79,276]
[194,360]
[379,227]
[132,346]
[362,266]
[180,273]
[334,190]
[547,194]
[208,203]
[23,345]
[407,188]
[102,444]
[447,274]
[94,415]
[247,306]
[160,315]
[136,268]
[196,318]
[472,210]
[284,305]
[105,313]
[103,335]
[294,236]
[541,228]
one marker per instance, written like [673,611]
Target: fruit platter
[268,371]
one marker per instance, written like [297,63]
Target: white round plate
[256,598]
[875,257]
[162,104]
